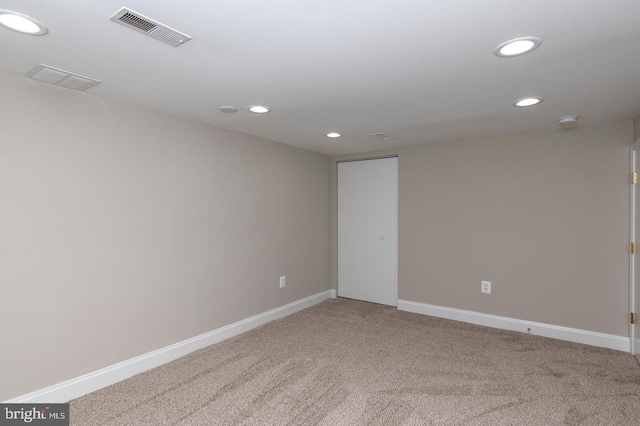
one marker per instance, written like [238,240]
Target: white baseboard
[334,294]
[575,335]
[87,383]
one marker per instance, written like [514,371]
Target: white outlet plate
[283,281]
[485,287]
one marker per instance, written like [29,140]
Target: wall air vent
[62,78]
[382,136]
[148,26]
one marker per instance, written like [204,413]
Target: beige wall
[545,217]
[125,230]
[636,129]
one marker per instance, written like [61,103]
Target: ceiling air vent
[382,136]
[568,121]
[148,26]
[62,78]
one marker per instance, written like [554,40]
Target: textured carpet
[356,363]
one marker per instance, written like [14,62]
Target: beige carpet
[345,362]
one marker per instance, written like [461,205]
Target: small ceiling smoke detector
[525,102]
[568,121]
[154,29]
[517,47]
[382,136]
[333,135]
[259,109]
[62,78]
[22,23]
[228,109]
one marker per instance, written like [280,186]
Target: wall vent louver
[154,29]
[61,78]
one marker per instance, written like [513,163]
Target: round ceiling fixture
[22,23]
[525,102]
[517,47]
[228,109]
[259,109]
[333,135]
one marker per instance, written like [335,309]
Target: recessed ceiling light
[259,109]
[333,135]
[525,102]
[228,109]
[22,23]
[517,46]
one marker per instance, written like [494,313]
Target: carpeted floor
[345,362]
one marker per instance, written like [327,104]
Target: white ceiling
[421,70]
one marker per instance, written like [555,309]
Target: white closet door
[352,230]
[368,230]
[382,231]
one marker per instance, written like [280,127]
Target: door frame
[337,234]
[634,151]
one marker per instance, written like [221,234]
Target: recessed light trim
[259,109]
[517,47]
[333,135]
[526,102]
[21,23]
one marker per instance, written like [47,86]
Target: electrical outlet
[485,287]
[283,281]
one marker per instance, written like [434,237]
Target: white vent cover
[382,136]
[148,26]
[568,121]
[62,78]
